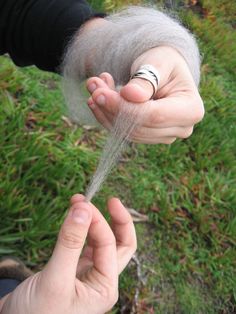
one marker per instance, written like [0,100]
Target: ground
[186,256]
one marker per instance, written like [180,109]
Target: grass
[187,249]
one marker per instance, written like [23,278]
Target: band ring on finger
[148,73]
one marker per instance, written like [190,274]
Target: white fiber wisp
[129,118]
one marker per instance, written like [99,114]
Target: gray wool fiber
[113,47]
[129,118]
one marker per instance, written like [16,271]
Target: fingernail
[101,100]
[80,215]
[92,87]
[92,105]
[103,78]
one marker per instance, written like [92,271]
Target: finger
[110,102]
[95,82]
[77,198]
[107,100]
[85,261]
[108,79]
[124,231]
[101,244]
[137,90]
[101,117]
[173,111]
[102,240]
[155,134]
[63,263]
[160,140]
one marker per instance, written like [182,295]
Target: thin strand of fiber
[130,117]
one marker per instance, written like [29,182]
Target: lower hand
[177,105]
[74,282]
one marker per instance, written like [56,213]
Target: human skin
[175,109]
[76,282]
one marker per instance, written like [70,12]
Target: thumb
[63,263]
[137,90]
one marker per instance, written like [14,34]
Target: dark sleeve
[37,31]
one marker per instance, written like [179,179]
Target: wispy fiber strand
[129,118]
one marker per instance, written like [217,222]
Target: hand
[177,105]
[74,283]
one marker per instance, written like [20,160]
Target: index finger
[123,228]
[179,109]
[173,111]
[102,240]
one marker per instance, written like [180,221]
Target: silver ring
[148,73]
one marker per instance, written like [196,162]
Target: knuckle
[188,132]
[199,115]
[71,239]
[169,141]
[157,119]
[199,112]
[110,240]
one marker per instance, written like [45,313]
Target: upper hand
[177,105]
[73,281]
